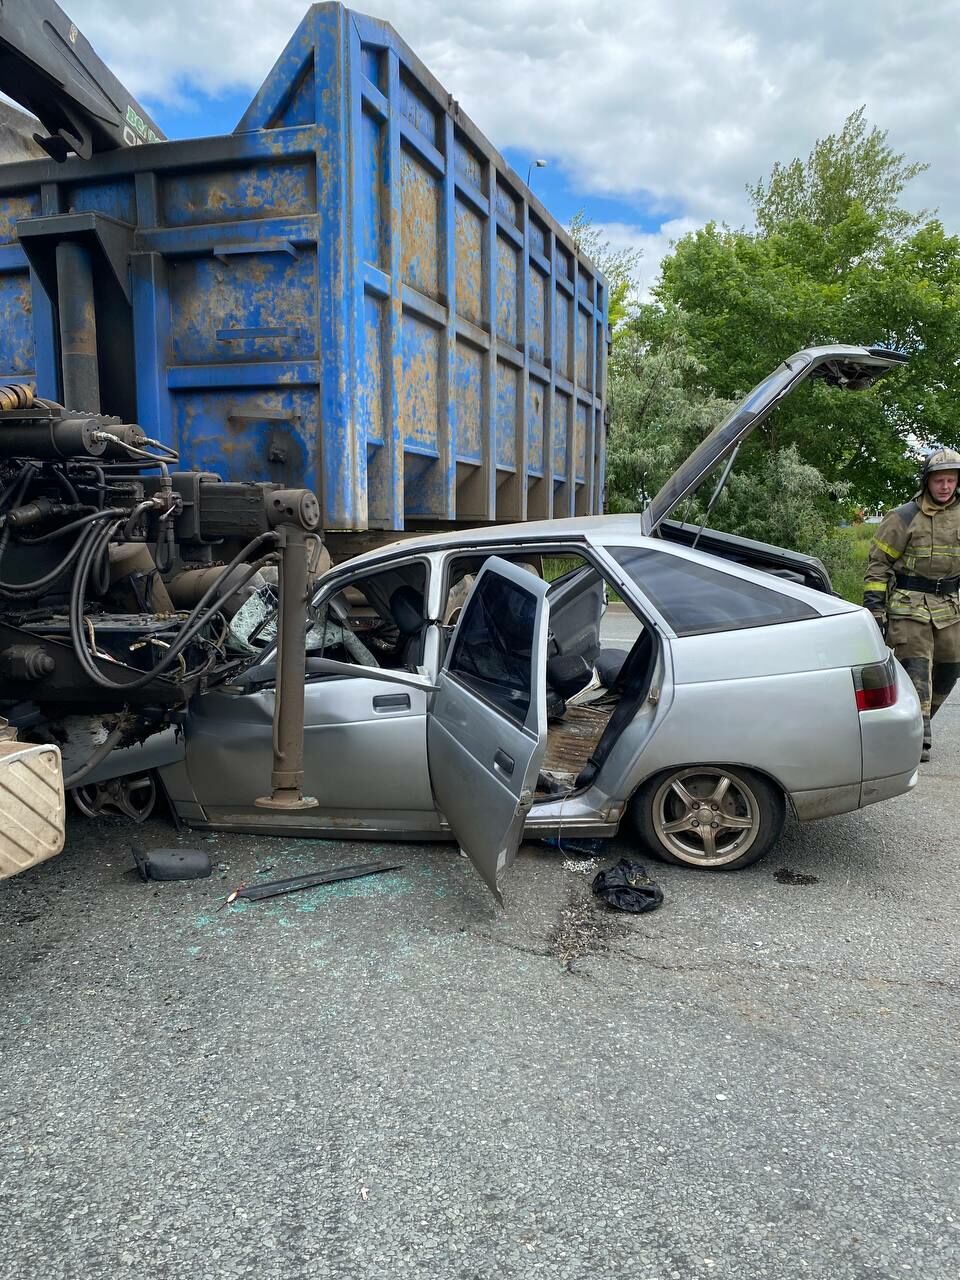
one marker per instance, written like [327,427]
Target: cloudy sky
[652,114]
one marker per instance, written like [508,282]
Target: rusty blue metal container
[352,291]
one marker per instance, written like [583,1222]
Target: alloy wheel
[706,816]
[133,797]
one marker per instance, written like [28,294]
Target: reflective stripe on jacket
[922,540]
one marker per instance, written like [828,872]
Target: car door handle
[391,702]
[503,764]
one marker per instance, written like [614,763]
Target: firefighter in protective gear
[912,582]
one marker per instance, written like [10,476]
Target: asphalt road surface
[391,1078]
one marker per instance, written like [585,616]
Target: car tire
[710,817]
[132,797]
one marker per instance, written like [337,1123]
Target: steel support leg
[287,777]
[78,328]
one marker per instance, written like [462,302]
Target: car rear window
[494,646]
[695,599]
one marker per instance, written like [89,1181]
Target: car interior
[376,621]
[593,690]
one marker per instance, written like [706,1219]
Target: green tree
[853,166]
[659,408]
[618,265]
[834,257]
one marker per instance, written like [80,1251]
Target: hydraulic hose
[106,746]
[64,482]
[13,590]
[25,474]
[186,635]
[135,515]
[100,568]
[97,472]
[82,522]
[200,615]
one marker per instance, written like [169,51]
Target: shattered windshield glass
[253,628]
[326,631]
[255,621]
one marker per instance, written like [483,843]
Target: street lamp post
[534,164]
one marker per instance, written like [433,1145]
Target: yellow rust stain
[12,209]
[266,189]
[420,215]
[469,265]
[536,303]
[419,391]
[272,291]
[508,286]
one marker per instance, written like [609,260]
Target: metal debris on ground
[274,888]
[627,887]
[579,932]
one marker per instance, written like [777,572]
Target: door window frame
[470,685]
[590,552]
[335,580]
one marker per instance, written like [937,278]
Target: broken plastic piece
[172,864]
[627,887]
[272,889]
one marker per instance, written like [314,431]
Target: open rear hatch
[845,367]
[807,571]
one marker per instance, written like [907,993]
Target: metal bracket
[227,251]
[39,238]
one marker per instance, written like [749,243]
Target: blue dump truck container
[353,291]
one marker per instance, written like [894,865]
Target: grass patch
[556,566]
[846,559]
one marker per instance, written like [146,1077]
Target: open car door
[487,726]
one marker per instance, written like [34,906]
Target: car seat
[406,605]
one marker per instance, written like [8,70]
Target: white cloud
[679,105]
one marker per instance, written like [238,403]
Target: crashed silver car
[458,685]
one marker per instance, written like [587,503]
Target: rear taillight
[876,685]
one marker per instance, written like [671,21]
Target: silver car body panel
[800,730]
[484,761]
[892,738]
[878,789]
[364,750]
[824,802]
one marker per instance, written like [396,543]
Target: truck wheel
[711,817]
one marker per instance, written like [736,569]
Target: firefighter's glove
[880,618]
